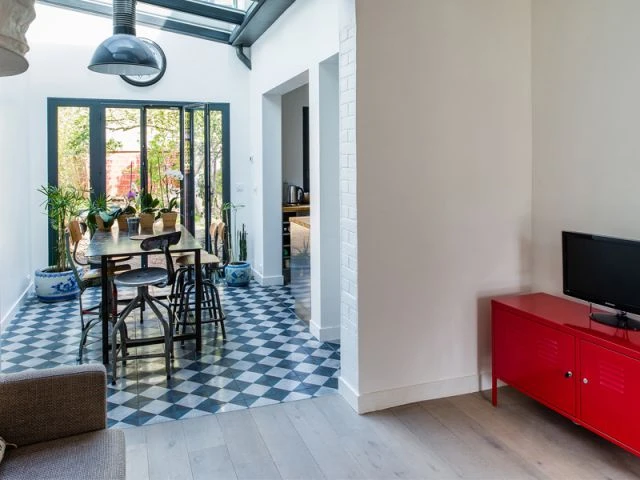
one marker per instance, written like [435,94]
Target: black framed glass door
[124,148]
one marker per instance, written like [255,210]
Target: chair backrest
[76,232]
[71,258]
[219,240]
[163,242]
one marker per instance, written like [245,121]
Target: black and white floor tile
[269,356]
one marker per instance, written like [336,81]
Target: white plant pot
[55,286]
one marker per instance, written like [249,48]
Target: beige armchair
[57,417]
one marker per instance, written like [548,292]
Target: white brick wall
[348,206]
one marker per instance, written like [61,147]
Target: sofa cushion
[94,455]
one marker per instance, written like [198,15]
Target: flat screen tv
[604,271]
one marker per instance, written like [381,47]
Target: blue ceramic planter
[55,286]
[238,274]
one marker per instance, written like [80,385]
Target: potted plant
[58,282]
[100,216]
[168,215]
[148,210]
[127,212]
[237,272]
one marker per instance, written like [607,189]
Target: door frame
[97,142]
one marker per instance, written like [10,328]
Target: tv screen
[602,270]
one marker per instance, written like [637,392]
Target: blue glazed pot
[55,286]
[238,274]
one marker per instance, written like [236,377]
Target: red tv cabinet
[548,348]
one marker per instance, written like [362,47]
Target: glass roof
[234,22]
[184,18]
[243,5]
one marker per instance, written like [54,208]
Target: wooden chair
[88,278]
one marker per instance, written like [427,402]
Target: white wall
[62,43]
[286,57]
[292,151]
[444,189]
[586,106]
[15,192]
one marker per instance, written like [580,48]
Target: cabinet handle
[585,380]
[568,374]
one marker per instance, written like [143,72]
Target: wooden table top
[296,208]
[302,221]
[116,243]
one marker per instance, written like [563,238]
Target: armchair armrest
[41,405]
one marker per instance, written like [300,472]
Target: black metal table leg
[198,267]
[104,309]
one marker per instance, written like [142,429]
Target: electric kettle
[296,195]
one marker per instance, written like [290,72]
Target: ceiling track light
[124,53]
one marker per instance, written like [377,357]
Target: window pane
[73,147]
[122,154]
[215,170]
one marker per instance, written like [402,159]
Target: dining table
[114,243]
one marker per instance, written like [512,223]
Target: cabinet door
[609,393]
[535,358]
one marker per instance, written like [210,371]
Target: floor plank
[167,452]
[322,441]
[489,446]
[526,438]
[457,437]
[137,461]
[248,452]
[289,452]
[212,462]
[202,432]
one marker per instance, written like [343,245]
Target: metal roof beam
[258,20]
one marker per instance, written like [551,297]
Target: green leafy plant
[173,203]
[242,244]
[99,207]
[229,211]
[149,204]
[63,204]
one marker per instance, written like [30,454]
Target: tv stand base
[618,320]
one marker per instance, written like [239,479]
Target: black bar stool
[183,294]
[142,279]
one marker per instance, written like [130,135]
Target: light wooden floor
[458,437]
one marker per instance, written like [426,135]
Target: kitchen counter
[303,208]
[301,266]
[302,221]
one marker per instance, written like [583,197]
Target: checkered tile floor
[269,356]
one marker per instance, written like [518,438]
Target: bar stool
[142,279]
[90,278]
[184,288]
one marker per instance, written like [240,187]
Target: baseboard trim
[348,393]
[271,281]
[370,402]
[17,304]
[324,334]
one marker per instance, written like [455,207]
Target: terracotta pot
[101,225]
[146,221]
[122,222]
[169,219]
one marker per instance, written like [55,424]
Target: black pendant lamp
[124,53]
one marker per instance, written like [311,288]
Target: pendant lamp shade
[15,18]
[124,53]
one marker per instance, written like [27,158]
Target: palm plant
[234,239]
[63,205]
